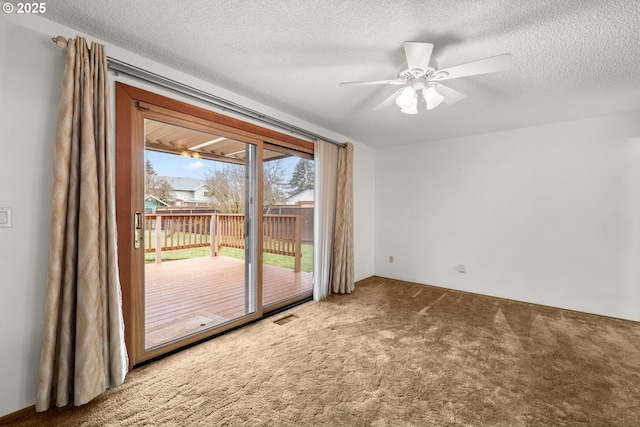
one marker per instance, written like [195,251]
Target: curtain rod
[127,69]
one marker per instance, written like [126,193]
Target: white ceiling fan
[421,79]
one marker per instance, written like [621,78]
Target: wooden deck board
[206,291]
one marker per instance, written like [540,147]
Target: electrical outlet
[462,268]
[390,259]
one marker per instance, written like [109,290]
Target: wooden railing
[282,234]
[177,231]
[230,231]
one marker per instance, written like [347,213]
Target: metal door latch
[137,230]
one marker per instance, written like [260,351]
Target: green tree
[303,176]
[157,186]
[149,177]
[148,168]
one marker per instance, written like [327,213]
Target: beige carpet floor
[390,354]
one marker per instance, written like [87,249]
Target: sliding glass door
[213,232]
[196,204]
[288,200]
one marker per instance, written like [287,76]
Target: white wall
[364,160]
[547,214]
[30,76]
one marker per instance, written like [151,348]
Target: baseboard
[15,416]
[621,319]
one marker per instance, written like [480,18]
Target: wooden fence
[282,234]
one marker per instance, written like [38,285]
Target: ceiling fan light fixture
[413,108]
[406,97]
[432,97]
[420,77]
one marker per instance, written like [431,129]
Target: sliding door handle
[137,230]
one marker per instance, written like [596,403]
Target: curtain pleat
[333,220]
[326,172]
[83,351]
[342,276]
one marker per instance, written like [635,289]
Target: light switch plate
[5,217]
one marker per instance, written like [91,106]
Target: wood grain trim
[18,415]
[201,125]
[124,209]
[191,110]
[136,179]
[288,150]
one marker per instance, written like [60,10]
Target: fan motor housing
[416,73]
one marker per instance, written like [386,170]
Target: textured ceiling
[571,58]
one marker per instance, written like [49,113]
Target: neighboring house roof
[184,184]
[155,199]
[305,195]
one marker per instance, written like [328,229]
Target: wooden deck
[187,296]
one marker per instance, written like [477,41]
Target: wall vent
[286,319]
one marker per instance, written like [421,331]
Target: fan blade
[418,55]
[374,82]
[451,96]
[482,66]
[388,100]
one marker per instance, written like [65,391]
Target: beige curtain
[342,271]
[325,158]
[333,220]
[83,351]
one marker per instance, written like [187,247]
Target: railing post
[298,243]
[158,239]
[219,226]
[212,235]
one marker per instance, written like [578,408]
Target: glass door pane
[288,186]
[199,232]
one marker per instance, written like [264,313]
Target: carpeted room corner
[391,353]
[493,148]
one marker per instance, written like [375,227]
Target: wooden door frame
[131,106]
